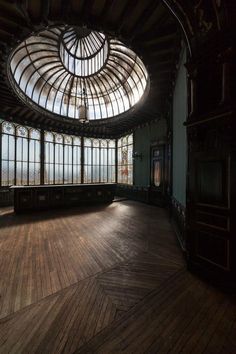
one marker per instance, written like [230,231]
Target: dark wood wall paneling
[6,197]
[132,192]
[211,164]
[178,218]
[28,198]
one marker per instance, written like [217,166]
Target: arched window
[95,161]
[22,156]
[76,160]
[62,159]
[34,157]
[125,161]
[49,158]
[59,159]
[99,160]
[8,154]
[111,161]
[68,159]
[88,178]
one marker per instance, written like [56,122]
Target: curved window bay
[32,157]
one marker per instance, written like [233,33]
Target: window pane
[125,161]
[8,155]
[76,162]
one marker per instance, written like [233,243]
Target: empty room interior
[117,170]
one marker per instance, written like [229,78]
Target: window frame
[74,165]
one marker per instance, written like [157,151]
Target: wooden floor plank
[105,280]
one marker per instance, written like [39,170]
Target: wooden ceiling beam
[127,11]
[161,53]
[161,43]
[159,33]
[148,12]
[160,57]
[10,28]
[86,12]
[107,8]
[11,18]
[22,8]
[160,64]
[4,37]
[45,10]
[5,102]
[7,96]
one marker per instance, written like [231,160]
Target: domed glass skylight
[64,68]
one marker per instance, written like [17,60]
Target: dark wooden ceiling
[146,26]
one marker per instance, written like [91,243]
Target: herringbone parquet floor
[105,279]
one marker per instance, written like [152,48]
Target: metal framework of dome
[73,71]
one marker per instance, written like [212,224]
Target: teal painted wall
[143,138]
[179,132]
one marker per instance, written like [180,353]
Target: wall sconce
[137,155]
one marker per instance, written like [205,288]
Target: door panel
[210,238]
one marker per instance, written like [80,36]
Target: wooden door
[211,191]
[210,223]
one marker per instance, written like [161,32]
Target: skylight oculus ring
[83,53]
[56,69]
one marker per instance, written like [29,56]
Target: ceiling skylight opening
[64,68]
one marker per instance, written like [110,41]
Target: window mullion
[82,159]
[15,157]
[42,156]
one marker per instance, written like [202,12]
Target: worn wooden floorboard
[105,279]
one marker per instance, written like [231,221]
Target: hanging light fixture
[83,108]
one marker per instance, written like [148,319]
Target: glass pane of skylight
[64,67]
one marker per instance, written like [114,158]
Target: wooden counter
[41,197]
